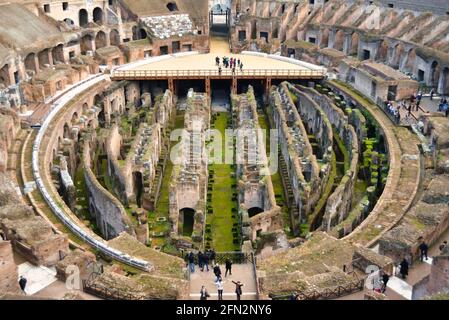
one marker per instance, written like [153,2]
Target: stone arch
[58,53]
[434,75]
[98,15]
[83,18]
[30,62]
[69,22]
[86,43]
[66,131]
[114,37]
[443,83]
[100,40]
[187,221]
[172,6]
[382,52]
[339,40]
[4,75]
[325,38]
[410,61]
[397,55]
[254,211]
[142,33]
[75,118]
[354,49]
[135,33]
[43,58]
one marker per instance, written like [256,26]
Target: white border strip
[100,245]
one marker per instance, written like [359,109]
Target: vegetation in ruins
[222,226]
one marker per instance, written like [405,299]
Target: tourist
[228,265]
[203,293]
[404,268]
[217,61]
[432,92]
[205,261]
[22,283]
[191,259]
[219,71]
[217,271]
[238,62]
[238,289]
[442,246]
[241,67]
[200,261]
[219,285]
[212,256]
[423,248]
[233,70]
[385,278]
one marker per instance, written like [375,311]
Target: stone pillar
[331,38]
[442,82]
[347,43]
[50,57]
[36,63]
[207,86]
[234,85]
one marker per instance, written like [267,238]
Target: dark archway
[171,6]
[58,54]
[187,216]
[86,43]
[66,134]
[30,62]
[44,58]
[138,187]
[114,38]
[142,33]
[83,17]
[100,40]
[254,211]
[98,16]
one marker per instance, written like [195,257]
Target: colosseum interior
[306,141]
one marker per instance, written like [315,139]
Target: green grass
[163,205]
[276,179]
[221,220]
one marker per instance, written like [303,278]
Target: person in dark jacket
[217,271]
[385,278]
[404,268]
[22,283]
[191,259]
[203,293]
[423,248]
[200,260]
[228,265]
[238,289]
[212,256]
[206,258]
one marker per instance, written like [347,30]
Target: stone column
[331,38]
[347,43]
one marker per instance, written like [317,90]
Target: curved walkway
[402,181]
[55,207]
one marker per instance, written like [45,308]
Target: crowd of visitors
[232,63]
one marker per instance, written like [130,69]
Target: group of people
[204,294]
[204,259]
[231,63]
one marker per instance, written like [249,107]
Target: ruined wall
[8,269]
[111,216]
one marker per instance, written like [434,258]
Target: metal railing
[131,74]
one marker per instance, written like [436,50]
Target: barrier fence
[246,73]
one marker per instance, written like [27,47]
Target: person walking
[212,257]
[200,261]
[228,265]
[219,71]
[423,248]
[22,283]
[404,268]
[385,278]
[241,67]
[206,261]
[191,259]
[217,61]
[203,293]
[432,92]
[238,289]
[219,284]
[217,271]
